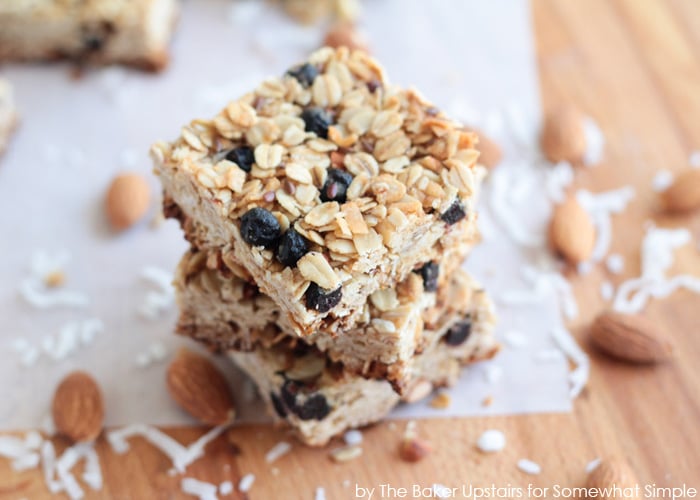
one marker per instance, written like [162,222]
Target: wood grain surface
[635,67]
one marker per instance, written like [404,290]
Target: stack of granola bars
[328,213]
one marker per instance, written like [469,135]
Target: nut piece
[630,338]
[490,153]
[344,34]
[127,200]
[571,231]
[77,408]
[413,449]
[563,137]
[200,389]
[613,472]
[684,194]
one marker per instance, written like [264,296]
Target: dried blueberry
[316,120]
[304,73]
[314,408]
[278,405]
[292,247]
[459,333]
[320,300]
[242,156]
[429,272]
[289,392]
[336,185]
[454,214]
[260,228]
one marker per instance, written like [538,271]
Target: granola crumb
[441,401]
[487,401]
[55,279]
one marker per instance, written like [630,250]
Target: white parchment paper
[75,135]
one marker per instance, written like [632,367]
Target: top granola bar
[326,184]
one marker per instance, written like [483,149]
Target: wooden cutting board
[635,67]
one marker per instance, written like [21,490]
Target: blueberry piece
[316,120]
[314,408]
[292,247]
[336,185]
[278,405]
[289,392]
[242,156]
[454,214]
[320,300]
[260,228]
[429,272]
[459,333]
[304,73]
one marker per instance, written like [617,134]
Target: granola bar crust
[135,33]
[226,312]
[8,114]
[318,399]
[413,171]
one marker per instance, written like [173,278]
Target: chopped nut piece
[413,449]
[346,453]
[344,34]
[55,279]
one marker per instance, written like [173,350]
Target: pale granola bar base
[353,400]
[127,32]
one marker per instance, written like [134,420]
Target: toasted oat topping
[338,154]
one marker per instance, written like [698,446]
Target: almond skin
[563,137]
[571,231]
[613,472]
[490,153]
[200,389]
[684,194]
[127,200]
[414,449]
[78,408]
[631,338]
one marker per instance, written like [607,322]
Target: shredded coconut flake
[491,441]
[615,263]
[595,142]
[156,302]
[592,465]
[558,178]
[694,159]
[493,373]
[226,488]
[541,284]
[180,455]
[662,180]
[579,375]
[600,206]
[277,451]
[320,494]
[607,291]
[353,437]
[200,489]
[657,252]
[529,467]
[246,483]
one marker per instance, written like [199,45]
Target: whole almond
[563,137]
[490,153]
[630,338]
[610,473]
[571,231]
[200,389]
[77,408]
[344,34]
[684,194]
[127,200]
